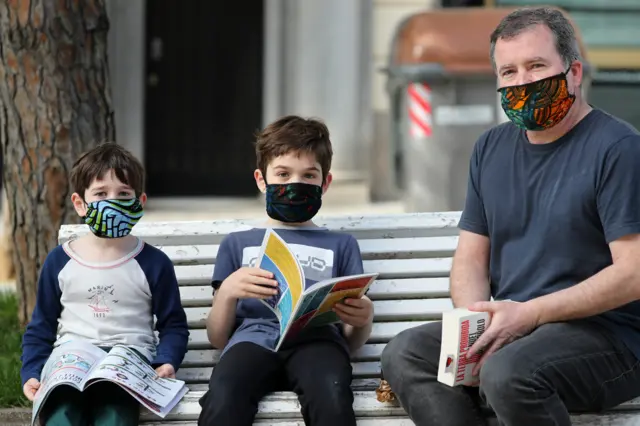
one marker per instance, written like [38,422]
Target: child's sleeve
[351,258]
[226,263]
[171,320]
[40,335]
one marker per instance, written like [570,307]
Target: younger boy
[104,288]
[294,158]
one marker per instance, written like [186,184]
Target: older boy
[104,288]
[294,158]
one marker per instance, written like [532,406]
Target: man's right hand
[249,283]
[30,388]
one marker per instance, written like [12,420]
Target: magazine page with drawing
[295,307]
[80,364]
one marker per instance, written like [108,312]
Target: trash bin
[442,91]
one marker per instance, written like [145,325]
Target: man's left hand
[355,312]
[509,321]
[166,370]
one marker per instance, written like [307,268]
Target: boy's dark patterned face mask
[293,202]
[538,105]
[113,218]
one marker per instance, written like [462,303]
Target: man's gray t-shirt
[323,254]
[551,210]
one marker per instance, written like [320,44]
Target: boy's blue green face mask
[113,218]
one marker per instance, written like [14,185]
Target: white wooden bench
[412,253]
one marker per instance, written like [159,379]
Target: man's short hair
[523,19]
[292,133]
[94,163]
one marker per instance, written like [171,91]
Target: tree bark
[6,257]
[54,104]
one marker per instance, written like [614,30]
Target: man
[552,223]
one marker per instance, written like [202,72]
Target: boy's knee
[331,395]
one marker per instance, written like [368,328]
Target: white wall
[126,51]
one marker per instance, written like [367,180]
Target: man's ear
[143,199]
[327,182]
[260,182]
[78,204]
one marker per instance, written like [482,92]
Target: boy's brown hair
[94,163]
[292,133]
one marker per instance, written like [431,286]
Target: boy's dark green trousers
[101,404]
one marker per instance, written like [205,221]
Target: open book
[80,364]
[295,307]
[460,330]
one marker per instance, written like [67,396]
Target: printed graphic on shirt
[317,263]
[101,298]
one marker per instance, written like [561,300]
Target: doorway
[203,100]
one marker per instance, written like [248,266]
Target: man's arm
[618,201]
[470,270]
[610,288]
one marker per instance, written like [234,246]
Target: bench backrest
[411,252]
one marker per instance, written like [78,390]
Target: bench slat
[396,268]
[372,421]
[367,369]
[381,332]
[409,225]
[401,248]
[608,419]
[368,384]
[284,405]
[208,357]
[408,288]
[384,310]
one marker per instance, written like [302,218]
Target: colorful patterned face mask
[538,105]
[113,218]
[293,202]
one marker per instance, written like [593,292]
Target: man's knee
[415,344]
[505,376]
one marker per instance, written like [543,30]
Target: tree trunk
[54,104]
[6,257]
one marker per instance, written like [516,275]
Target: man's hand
[509,321]
[355,312]
[30,388]
[249,283]
[166,371]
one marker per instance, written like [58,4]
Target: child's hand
[355,312]
[166,370]
[249,283]
[30,388]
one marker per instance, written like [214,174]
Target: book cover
[460,330]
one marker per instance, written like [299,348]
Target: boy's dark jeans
[536,380]
[101,404]
[319,372]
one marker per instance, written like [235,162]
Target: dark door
[203,96]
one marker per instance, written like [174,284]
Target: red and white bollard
[420,114]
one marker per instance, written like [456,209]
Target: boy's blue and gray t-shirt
[323,254]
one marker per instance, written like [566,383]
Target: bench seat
[411,252]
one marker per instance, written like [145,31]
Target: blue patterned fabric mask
[113,218]
[293,202]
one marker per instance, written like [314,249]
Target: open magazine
[80,364]
[295,307]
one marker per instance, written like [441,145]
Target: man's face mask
[293,202]
[113,218]
[538,105]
